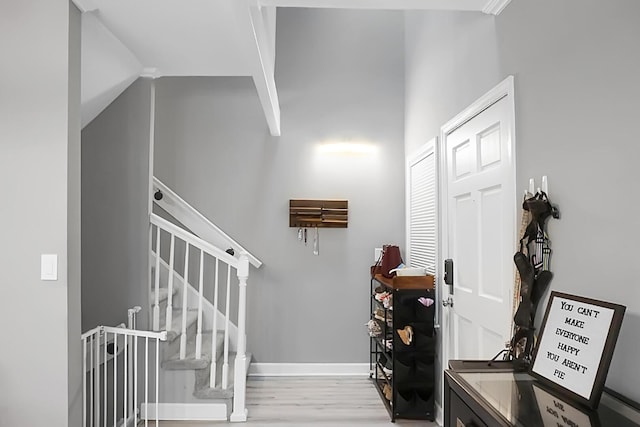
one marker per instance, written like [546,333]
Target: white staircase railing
[103,378]
[165,231]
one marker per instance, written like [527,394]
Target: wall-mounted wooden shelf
[318,213]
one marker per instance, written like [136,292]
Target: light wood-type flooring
[311,401]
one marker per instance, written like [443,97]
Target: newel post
[239,413]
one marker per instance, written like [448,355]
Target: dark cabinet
[402,347]
[479,393]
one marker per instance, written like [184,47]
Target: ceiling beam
[494,7]
[462,5]
[251,21]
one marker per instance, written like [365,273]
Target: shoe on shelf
[385,299]
[385,364]
[380,314]
[374,328]
[388,344]
[406,334]
[381,373]
[380,289]
[388,392]
[380,297]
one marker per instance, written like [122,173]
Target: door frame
[504,89]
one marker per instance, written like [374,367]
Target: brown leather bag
[390,259]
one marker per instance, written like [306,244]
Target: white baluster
[214,349]
[91,379]
[157,377]
[146,380]
[225,364]
[96,370]
[84,382]
[115,378]
[185,289]
[156,307]
[200,298]
[135,381]
[125,340]
[104,412]
[240,378]
[169,314]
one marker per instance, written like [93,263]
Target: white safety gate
[120,368]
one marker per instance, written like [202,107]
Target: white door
[480,211]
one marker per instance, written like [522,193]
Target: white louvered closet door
[422,222]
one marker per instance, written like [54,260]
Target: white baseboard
[185,411]
[308,369]
[439,415]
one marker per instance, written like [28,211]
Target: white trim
[85,5]
[439,415]
[428,148]
[494,7]
[239,417]
[193,240]
[186,214]
[250,23]
[504,89]
[308,369]
[152,126]
[185,411]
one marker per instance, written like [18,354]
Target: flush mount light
[341,147]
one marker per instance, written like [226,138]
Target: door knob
[448,302]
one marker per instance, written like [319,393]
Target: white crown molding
[308,369]
[494,7]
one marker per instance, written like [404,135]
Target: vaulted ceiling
[125,39]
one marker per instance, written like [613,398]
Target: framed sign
[576,345]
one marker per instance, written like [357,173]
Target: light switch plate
[49,267]
[377,252]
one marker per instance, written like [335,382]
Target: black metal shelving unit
[412,380]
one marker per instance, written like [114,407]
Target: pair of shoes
[381,373]
[385,298]
[388,392]
[374,328]
[385,364]
[382,315]
[406,334]
[427,302]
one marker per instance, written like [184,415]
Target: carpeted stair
[198,369]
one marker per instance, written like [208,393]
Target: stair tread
[176,322]
[163,294]
[173,361]
[202,389]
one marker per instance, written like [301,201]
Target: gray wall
[115,223]
[575,65]
[39,171]
[340,77]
